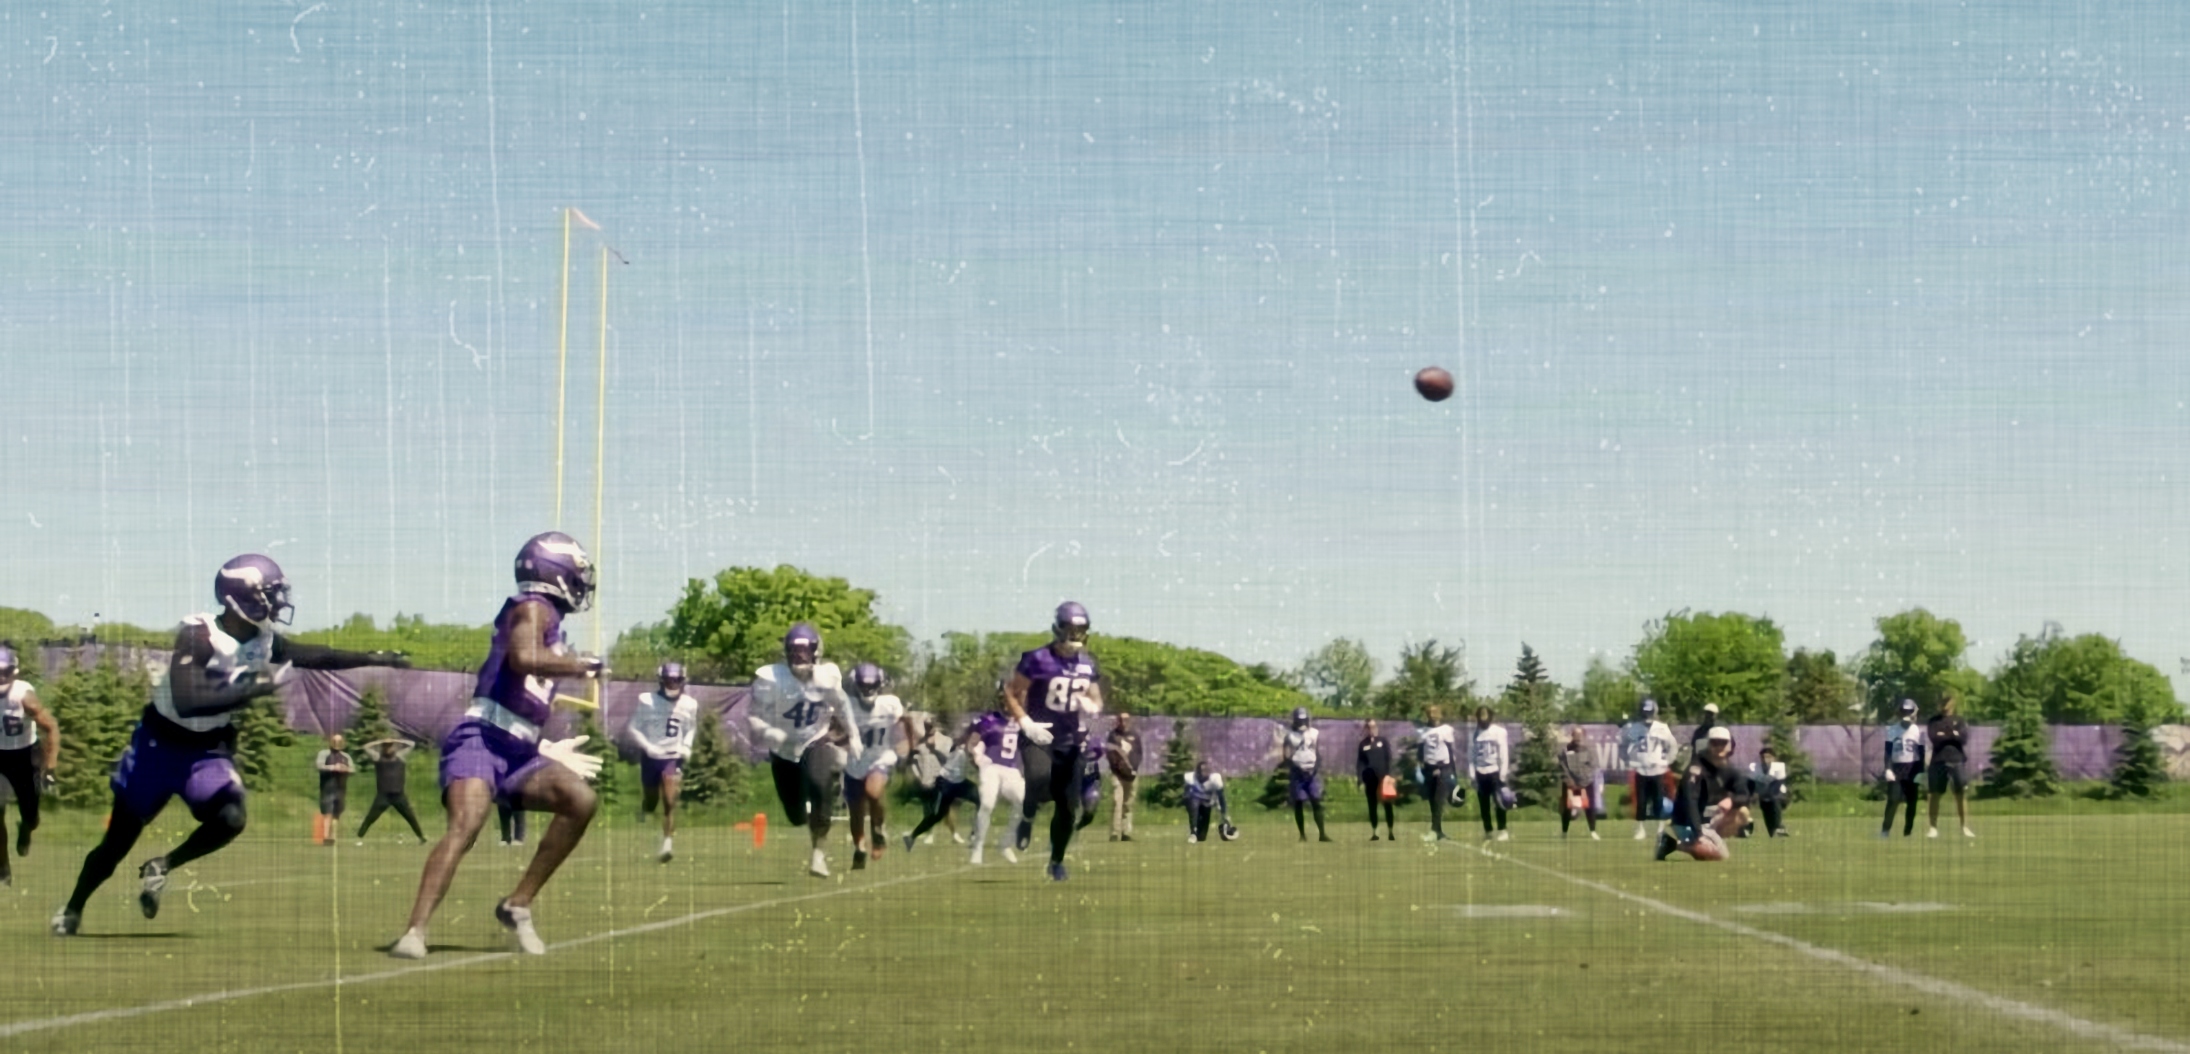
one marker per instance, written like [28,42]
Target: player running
[951,787]
[186,736]
[1050,693]
[662,728]
[25,727]
[1646,751]
[497,754]
[876,715]
[998,760]
[1302,775]
[796,703]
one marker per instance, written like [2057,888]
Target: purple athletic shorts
[1306,786]
[651,771]
[476,750]
[151,772]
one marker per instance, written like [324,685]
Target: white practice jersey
[1437,745]
[17,731]
[1904,742]
[1775,771]
[802,710]
[1492,754]
[231,658]
[1646,747]
[875,724]
[663,727]
[1300,747]
[954,766]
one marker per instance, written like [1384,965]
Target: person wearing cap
[1301,772]
[662,726]
[1581,786]
[1708,805]
[1491,766]
[1646,751]
[1703,728]
[1949,735]
[1904,762]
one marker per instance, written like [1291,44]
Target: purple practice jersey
[1059,692]
[531,698]
[999,739]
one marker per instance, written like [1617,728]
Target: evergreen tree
[1801,771]
[261,731]
[2022,758]
[2138,767]
[609,784]
[714,774]
[96,706]
[371,721]
[1532,699]
[1168,789]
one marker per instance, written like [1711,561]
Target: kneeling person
[1707,807]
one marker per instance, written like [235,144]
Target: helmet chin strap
[804,671]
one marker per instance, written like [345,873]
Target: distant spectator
[1581,785]
[1768,783]
[1438,743]
[1204,799]
[1373,762]
[1696,739]
[1904,761]
[1491,767]
[334,767]
[1949,739]
[391,777]
[511,819]
[1122,751]
[1303,773]
[1646,752]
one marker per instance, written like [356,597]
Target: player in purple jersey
[497,752]
[997,756]
[184,741]
[1051,691]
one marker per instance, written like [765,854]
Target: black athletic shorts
[1944,771]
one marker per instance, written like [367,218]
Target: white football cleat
[819,866]
[1931,832]
[519,922]
[1967,833]
[412,945]
[956,839]
[1502,836]
[1639,835]
[976,861]
[667,853]
[1593,837]
[1011,856]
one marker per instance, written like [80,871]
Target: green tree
[2082,680]
[1919,656]
[1339,674]
[609,785]
[1428,675]
[2139,768]
[1608,693]
[714,774]
[1155,678]
[958,674]
[735,624]
[1168,789]
[1532,699]
[1801,771]
[25,628]
[430,646]
[2022,758]
[371,721]
[262,730]
[1738,661]
[96,706]
[1819,690]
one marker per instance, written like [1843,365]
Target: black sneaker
[1024,836]
[859,860]
[1321,837]
[1125,837]
[22,841]
[1373,836]
[1666,845]
[153,876]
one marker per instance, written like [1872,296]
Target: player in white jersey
[1646,752]
[30,748]
[951,785]
[662,729]
[877,717]
[796,704]
[1904,763]
[1491,767]
[1303,771]
[1437,745]
[998,759]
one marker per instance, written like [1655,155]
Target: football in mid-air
[1434,383]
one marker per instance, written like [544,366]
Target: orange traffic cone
[758,825]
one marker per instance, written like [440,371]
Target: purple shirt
[531,698]
[999,739]
[1059,691]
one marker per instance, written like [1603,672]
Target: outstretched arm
[321,657]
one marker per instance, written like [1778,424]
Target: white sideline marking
[1508,911]
[1881,907]
[2097,1032]
[89,1017]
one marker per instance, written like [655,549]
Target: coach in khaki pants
[1123,752]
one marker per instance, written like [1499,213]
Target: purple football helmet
[671,677]
[802,647]
[1070,628]
[9,665]
[554,565]
[869,680]
[253,587]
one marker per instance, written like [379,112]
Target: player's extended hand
[390,658]
[596,668]
[1037,731]
[565,752]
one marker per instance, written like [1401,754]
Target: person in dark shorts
[1373,764]
[335,766]
[951,786]
[1904,760]
[1437,746]
[1304,778]
[1949,736]
[30,747]
[1708,805]
[1768,782]
[1204,801]
[390,772]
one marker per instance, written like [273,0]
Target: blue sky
[1814,313]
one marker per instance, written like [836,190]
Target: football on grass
[1434,384]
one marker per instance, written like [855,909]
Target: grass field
[1260,944]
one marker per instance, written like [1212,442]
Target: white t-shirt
[802,710]
[1437,745]
[1300,747]
[663,727]
[1491,753]
[1904,743]
[17,730]
[1646,747]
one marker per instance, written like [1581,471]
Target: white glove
[774,736]
[1038,731]
[565,752]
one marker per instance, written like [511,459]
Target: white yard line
[92,1017]
[1893,977]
